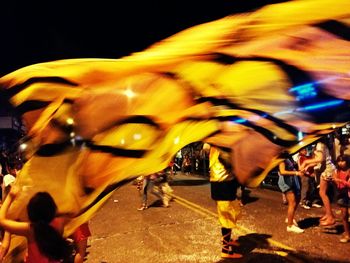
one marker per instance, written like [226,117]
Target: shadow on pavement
[309,222]
[303,257]
[249,199]
[251,241]
[333,230]
[259,241]
[256,257]
[156,203]
[247,244]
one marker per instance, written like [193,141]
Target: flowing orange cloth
[257,83]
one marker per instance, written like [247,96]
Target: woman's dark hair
[345,158]
[41,211]
[285,155]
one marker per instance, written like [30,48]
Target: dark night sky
[38,31]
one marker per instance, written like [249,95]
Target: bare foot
[328,222]
[323,218]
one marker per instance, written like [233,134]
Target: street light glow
[70,121]
[23,146]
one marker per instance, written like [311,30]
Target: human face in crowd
[342,164]
[303,151]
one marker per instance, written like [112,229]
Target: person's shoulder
[320,146]
[59,222]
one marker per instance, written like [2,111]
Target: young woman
[342,179]
[43,231]
[289,184]
[322,163]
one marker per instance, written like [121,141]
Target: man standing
[224,191]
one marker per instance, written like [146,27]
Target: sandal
[230,255]
[228,247]
[227,252]
[231,243]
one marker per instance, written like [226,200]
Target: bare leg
[291,207]
[345,219]
[327,204]
[284,199]
[81,251]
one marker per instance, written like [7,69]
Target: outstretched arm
[283,171]
[338,181]
[318,157]
[12,226]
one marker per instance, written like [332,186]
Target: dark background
[38,31]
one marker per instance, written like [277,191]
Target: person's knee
[293,204]
[322,194]
[224,206]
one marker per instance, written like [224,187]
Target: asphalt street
[188,231]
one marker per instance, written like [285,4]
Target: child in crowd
[289,183]
[342,179]
[43,230]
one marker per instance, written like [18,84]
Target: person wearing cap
[8,179]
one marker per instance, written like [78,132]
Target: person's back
[34,255]
[291,181]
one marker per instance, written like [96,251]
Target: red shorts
[81,233]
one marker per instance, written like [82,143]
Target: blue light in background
[311,107]
[303,92]
[317,106]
